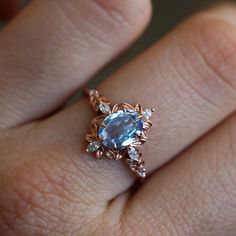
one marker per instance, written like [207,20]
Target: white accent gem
[133,153]
[142,172]
[147,114]
[93,146]
[139,132]
[104,108]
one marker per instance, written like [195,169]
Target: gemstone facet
[118,129]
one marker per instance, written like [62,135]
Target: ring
[118,131]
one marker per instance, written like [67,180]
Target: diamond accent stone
[142,172]
[147,114]
[139,132]
[104,108]
[118,130]
[133,153]
[93,146]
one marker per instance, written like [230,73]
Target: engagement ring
[118,131]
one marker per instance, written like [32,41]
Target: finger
[56,183]
[8,9]
[189,77]
[195,194]
[53,47]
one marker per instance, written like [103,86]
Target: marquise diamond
[104,108]
[93,146]
[133,153]
[147,114]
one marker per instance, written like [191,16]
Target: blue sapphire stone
[118,129]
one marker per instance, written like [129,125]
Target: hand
[50,186]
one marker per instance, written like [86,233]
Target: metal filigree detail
[130,153]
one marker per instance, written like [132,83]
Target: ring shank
[96,99]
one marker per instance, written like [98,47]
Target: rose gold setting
[131,154]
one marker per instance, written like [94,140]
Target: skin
[50,186]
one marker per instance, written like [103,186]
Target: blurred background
[166,14]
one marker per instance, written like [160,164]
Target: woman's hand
[49,186]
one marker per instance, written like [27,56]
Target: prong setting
[129,151]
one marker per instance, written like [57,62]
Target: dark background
[166,14]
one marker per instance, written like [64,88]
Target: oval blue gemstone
[118,129]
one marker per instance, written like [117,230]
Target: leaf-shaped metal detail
[147,124]
[115,108]
[99,154]
[95,124]
[138,108]
[144,136]
[137,143]
[118,156]
[126,106]
[110,154]
[91,137]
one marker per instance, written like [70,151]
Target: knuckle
[226,177]
[42,199]
[209,46]
[127,11]
[106,15]
[219,187]
[157,221]
[27,200]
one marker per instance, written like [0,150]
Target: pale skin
[50,186]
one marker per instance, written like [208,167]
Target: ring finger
[188,76]
[195,194]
